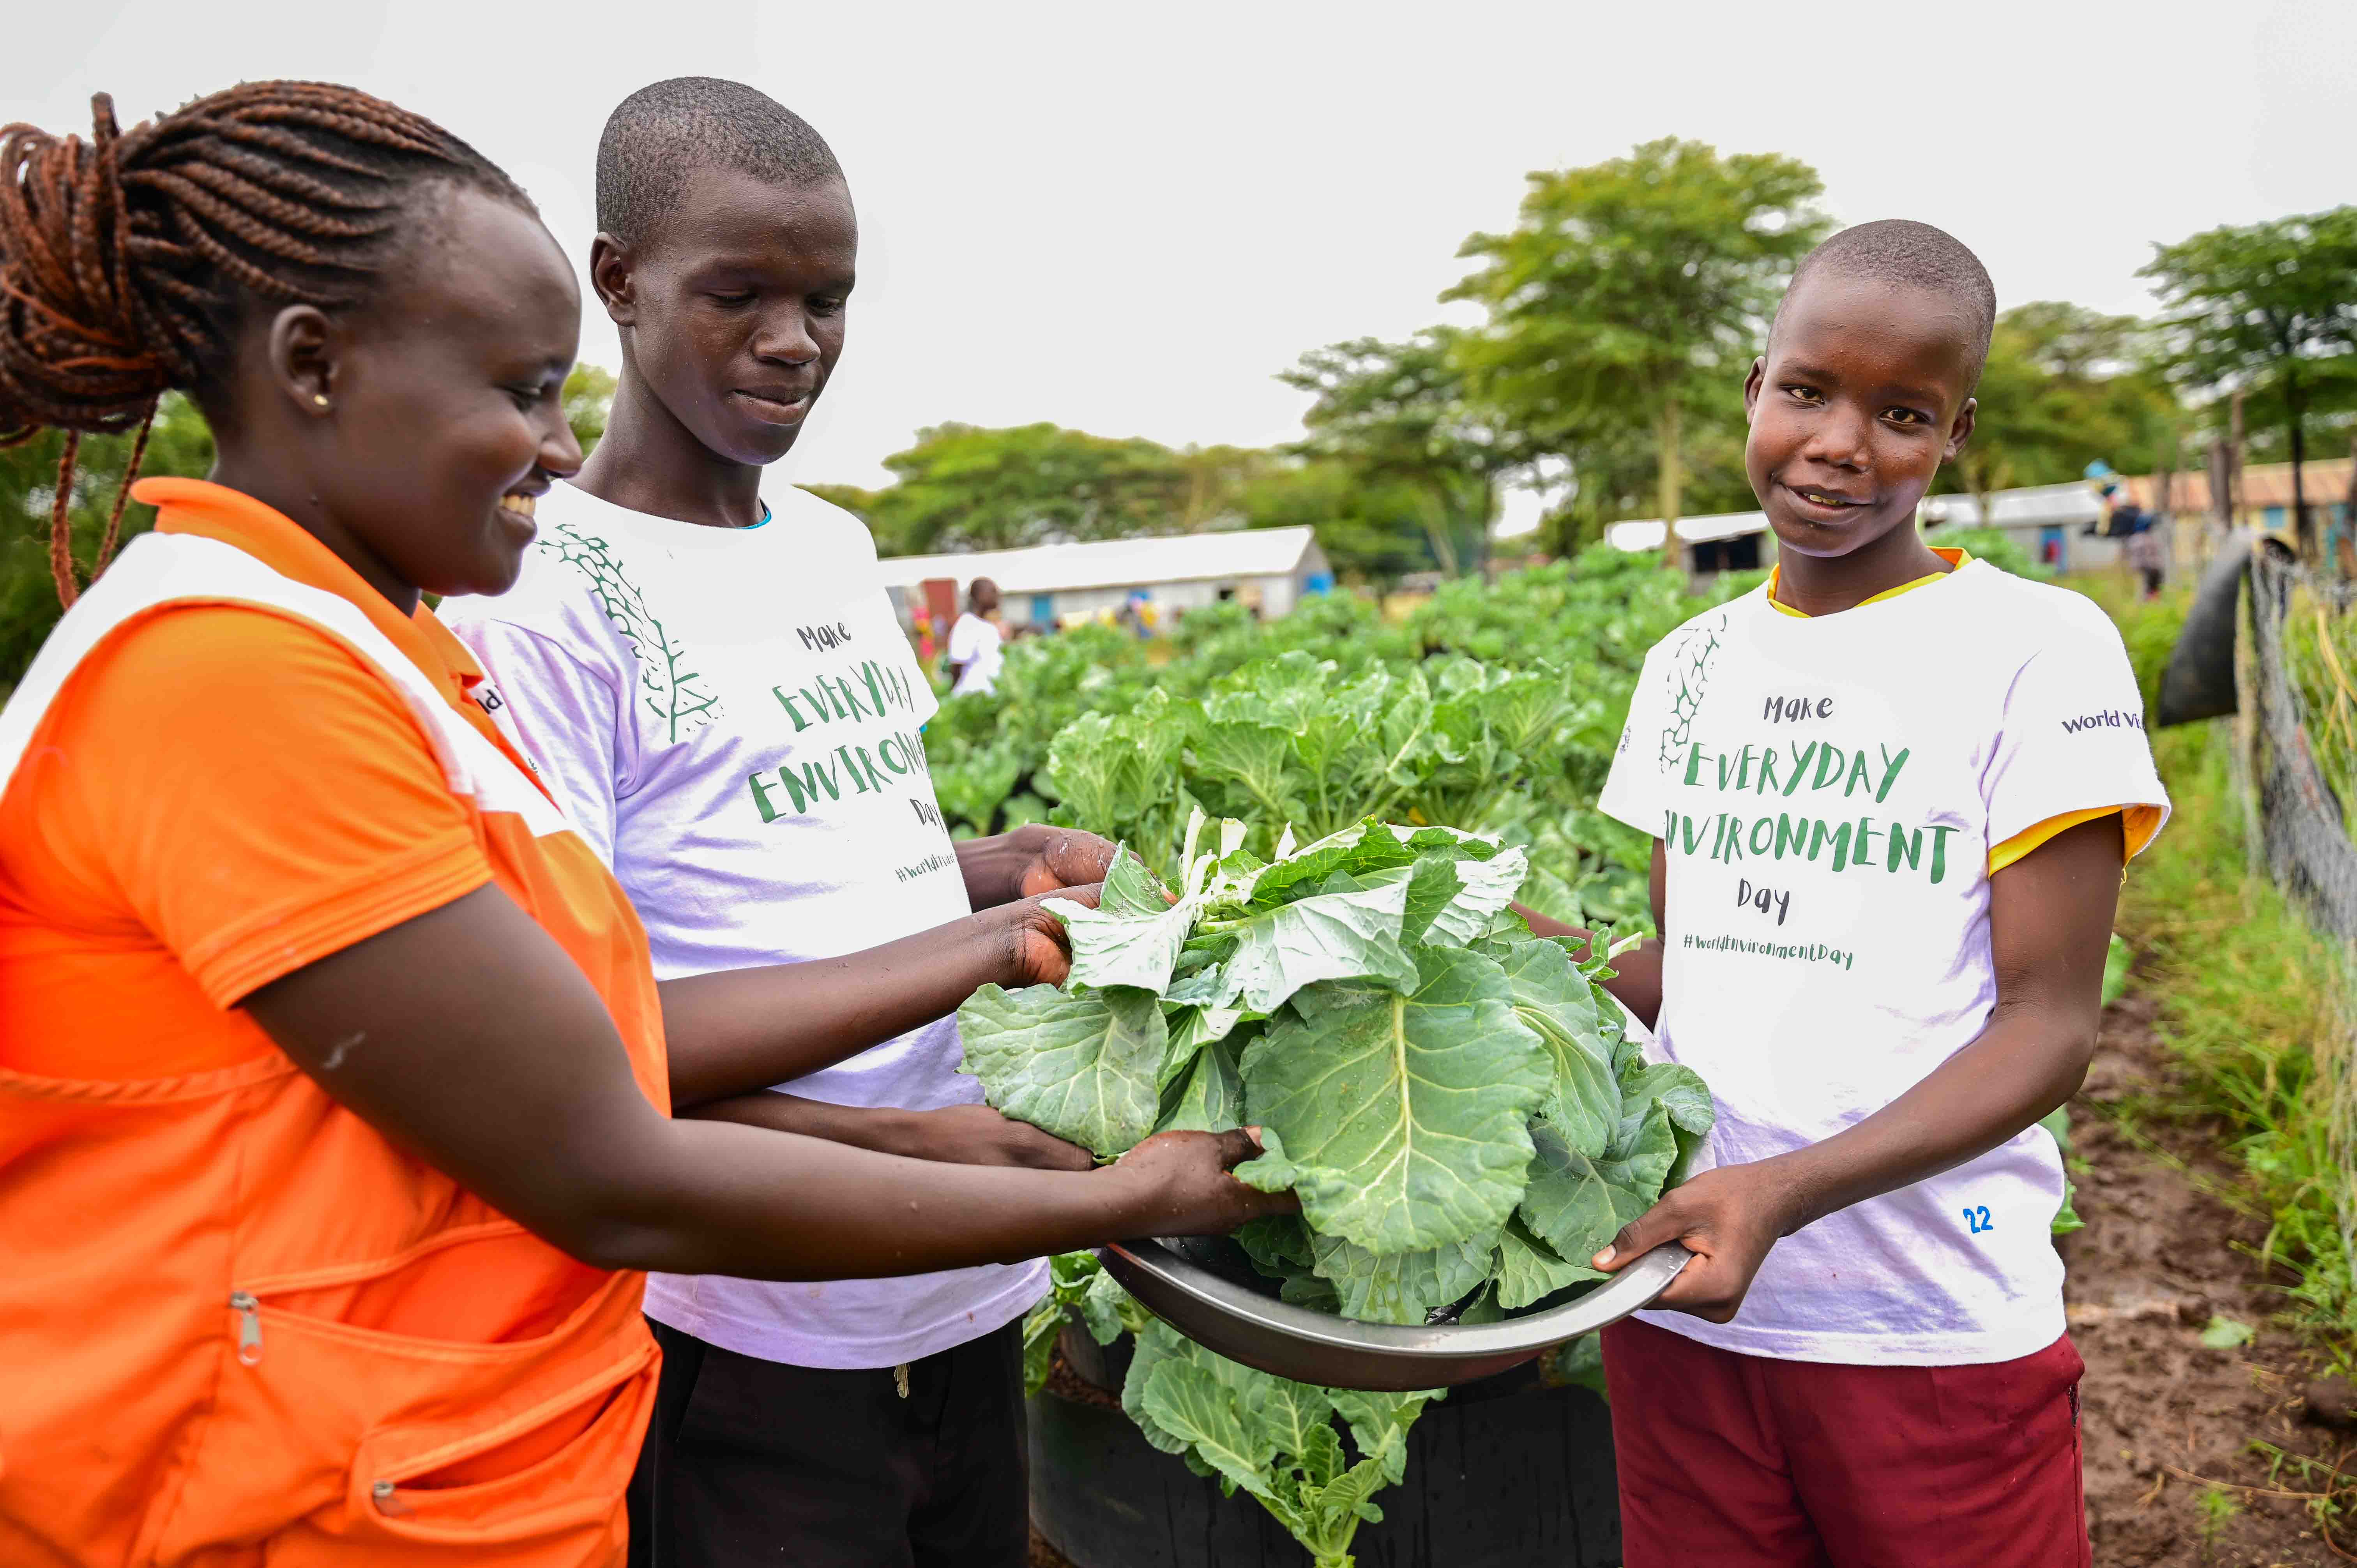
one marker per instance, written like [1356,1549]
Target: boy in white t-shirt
[974,656]
[1891,793]
[718,692]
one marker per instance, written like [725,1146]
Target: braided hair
[129,262]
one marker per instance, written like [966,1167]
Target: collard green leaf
[1678,1090]
[1580,1364]
[1082,1067]
[1210,1098]
[1112,947]
[1307,1290]
[1484,1308]
[1347,934]
[1289,1414]
[1041,1324]
[1400,1116]
[1681,1094]
[1130,890]
[1555,1000]
[1097,765]
[1576,1204]
[1106,1309]
[1237,744]
[1402,1287]
[1529,1271]
[1190,1029]
[1361,850]
[1156,1343]
[1278,1244]
[1193,1406]
[1378,1423]
[1432,884]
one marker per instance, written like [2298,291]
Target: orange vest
[236,1325]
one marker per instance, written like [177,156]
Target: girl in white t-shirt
[1891,793]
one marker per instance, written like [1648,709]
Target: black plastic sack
[2198,682]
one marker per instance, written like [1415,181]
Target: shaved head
[659,134]
[1910,255]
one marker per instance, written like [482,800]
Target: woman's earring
[320,398]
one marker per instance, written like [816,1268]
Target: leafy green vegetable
[1272,1438]
[1403,1112]
[1402,1287]
[1081,1067]
[1577,1203]
[1452,1098]
[1557,1002]
[1209,1095]
[1070,1276]
[1529,1271]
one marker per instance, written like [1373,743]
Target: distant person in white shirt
[973,655]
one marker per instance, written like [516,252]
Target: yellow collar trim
[1954,558]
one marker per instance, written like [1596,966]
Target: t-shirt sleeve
[571,717]
[2071,736]
[251,792]
[1636,787]
[964,637]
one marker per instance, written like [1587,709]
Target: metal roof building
[1059,583]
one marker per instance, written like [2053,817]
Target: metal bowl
[1193,1284]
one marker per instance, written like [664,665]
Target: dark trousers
[751,1462]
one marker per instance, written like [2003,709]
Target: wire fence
[2296,774]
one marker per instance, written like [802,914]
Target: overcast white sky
[1127,219]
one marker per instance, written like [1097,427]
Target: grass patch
[2254,1003]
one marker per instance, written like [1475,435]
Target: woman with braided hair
[333,1072]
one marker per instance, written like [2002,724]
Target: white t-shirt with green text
[1829,790]
[732,717]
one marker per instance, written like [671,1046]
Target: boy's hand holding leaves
[1029,862]
[1729,1218]
[1039,950]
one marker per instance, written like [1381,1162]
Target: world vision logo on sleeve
[2111,718]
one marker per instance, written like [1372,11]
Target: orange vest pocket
[564,1507]
[327,1439]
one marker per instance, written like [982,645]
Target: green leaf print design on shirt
[1688,673]
[672,692]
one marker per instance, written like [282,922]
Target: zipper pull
[388,1500]
[249,1326]
[900,1379]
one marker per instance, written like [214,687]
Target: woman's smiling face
[449,406]
[1865,390]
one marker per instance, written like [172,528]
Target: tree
[963,486]
[1375,531]
[181,444]
[1399,415]
[1627,280]
[859,503]
[2065,386]
[1610,470]
[2268,310]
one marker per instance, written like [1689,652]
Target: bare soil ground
[2169,1421]
[2166,1419]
